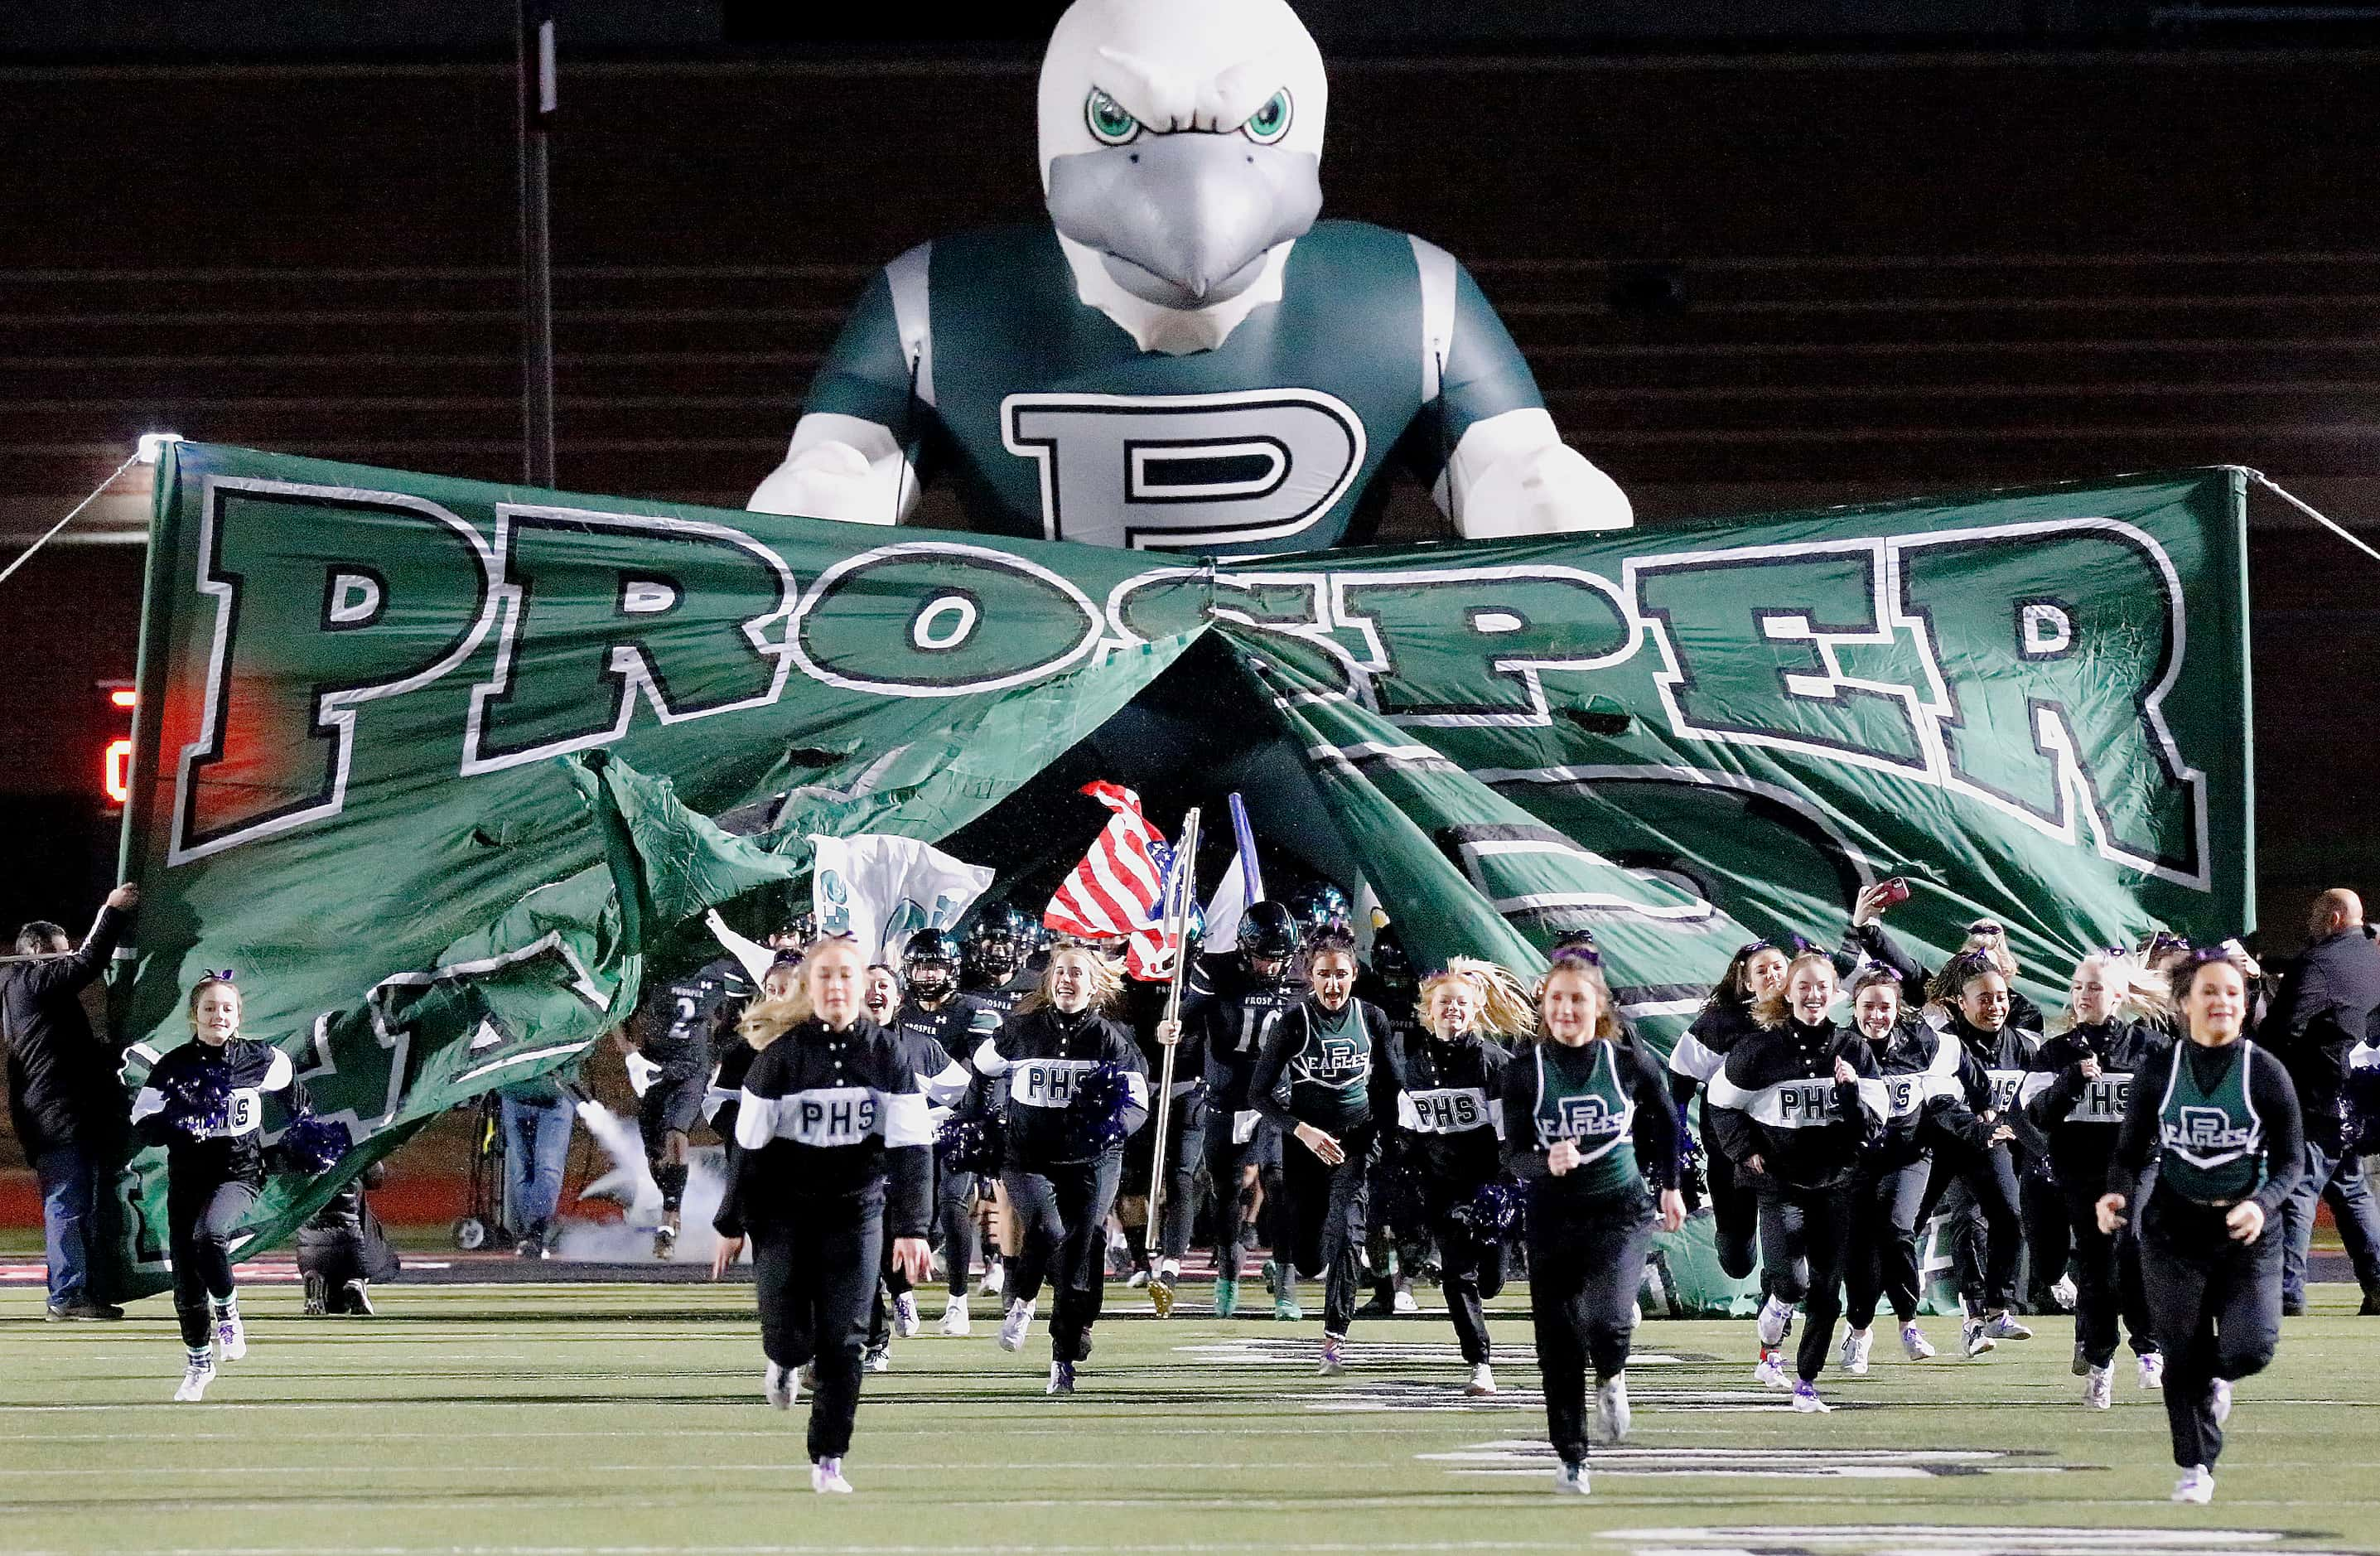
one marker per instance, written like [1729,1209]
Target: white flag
[1224,911]
[882,890]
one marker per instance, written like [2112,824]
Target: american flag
[1118,889]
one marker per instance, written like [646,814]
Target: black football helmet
[930,963]
[998,943]
[1268,933]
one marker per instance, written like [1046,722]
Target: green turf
[626,1419]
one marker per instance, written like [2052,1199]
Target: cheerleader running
[204,1102]
[1076,1090]
[1787,1106]
[1921,1100]
[1449,1146]
[2211,1144]
[2078,1093]
[1592,1136]
[831,1152]
[1328,1070]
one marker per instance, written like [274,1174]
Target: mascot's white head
[1181,140]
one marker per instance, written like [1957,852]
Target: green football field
[628,1419]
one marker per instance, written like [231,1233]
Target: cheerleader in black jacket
[1328,1072]
[1591,1134]
[2077,1095]
[1077,1089]
[1922,1101]
[1788,1106]
[204,1102]
[1974,1007]
[2212,1143]
[1756,971]
[1450,1144]
[831,1152]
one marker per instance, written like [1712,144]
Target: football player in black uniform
[1394,1251]
[935,1010]
[675,1031]
[831,1155]
[204,1102]
[998,946]
[1253,989]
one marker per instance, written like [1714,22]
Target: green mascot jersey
[978,355]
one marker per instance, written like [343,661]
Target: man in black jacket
[2327,1004]
[63,1096]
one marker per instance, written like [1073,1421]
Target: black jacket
[1777,1097]
[2328,1002]
[62,1086]
[1043,1057]
[231,1146]
[1451,1110]
[2082,1118]
[1922,1098]
[825,1116]
[1229,1031]
[1992,1067]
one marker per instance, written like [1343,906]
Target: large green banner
[436,764]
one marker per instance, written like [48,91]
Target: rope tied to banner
[2269,484]
[27,554]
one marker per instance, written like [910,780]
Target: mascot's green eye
[1110,125]
[1270,122]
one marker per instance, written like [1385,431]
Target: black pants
[2048,1236]
[1323,1213]
[2106,1282]
[2215,1305]
[1977,1190]
[669,1106]
[954,1215]
[1470,1267]
[1883,1258]
[1582,1285]
[1807,1229]
[1226,1160]
[200,1218]
[813,1276]
[1186,1137]
[1061,1213]
[1735,1214]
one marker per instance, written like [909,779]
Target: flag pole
[1183,893]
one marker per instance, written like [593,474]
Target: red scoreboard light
[116,762]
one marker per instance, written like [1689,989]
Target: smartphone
[1896,890]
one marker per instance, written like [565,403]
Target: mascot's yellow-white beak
[1182,143]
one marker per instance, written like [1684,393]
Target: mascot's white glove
[1512,475]
[840,467]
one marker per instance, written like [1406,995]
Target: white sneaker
[2153,1370]
[1974,1339]
[1334,1357]
[1913,1342]
[1612,1408]
[231,1336]
[905,1323]
[1569,1480]
[877,1359]
[995,1275]
[827,1475]
[2064,1293]
[1807,1400]
[1856,1344]
[1404,1302]
[195,1379]
[1773,1315]
[1483,1382]
[1062,1378]
[1014,1328]
[777,1386]
[2099,1389]
[2222,1402]
[1771,1370]
[2196,1485]
[2003,1326]
[1139,1281]
[954,1317]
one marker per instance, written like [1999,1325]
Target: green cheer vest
[2213,1141]
[1595,1112]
